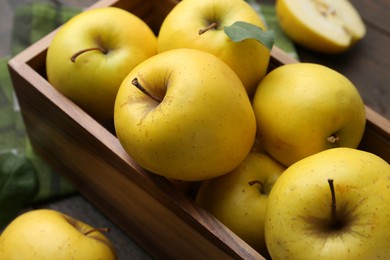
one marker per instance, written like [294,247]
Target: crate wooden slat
[161,218]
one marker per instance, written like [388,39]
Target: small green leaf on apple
[240,31]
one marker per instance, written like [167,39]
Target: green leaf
[18,185]
[240,31]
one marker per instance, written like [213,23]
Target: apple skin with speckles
[197,121]
[181,28]
[50,234]
[299,222]
[117,41]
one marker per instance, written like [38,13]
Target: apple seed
[325,9]
[329,11]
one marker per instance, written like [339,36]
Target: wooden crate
[157,215]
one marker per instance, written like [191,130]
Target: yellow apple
[327,26]
[192,121]
[93,52]
[239,199]
[199,24]
[331,205]
[50,234]
[304,108]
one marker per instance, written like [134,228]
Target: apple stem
[96,229]
[334,221]
[136,83]
[258,182]
[74,56]
[211,26]
[332,139]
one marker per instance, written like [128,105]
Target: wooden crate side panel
[376,137]
[149,215]
[152,12]
[59,129]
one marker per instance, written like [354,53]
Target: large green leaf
[240,31]
[18,185]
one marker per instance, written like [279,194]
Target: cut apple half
[327,26]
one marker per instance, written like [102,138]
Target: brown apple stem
[334,220]
[136,83]
[251,183]
[211,26]
[96,229]
[333,139]
[74,56]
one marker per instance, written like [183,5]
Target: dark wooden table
[366,64]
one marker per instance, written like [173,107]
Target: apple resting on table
[331,205]
[305,108]
[327,26]
[184,114]
[200,24]
[93,52]
[239,199]
[50,234]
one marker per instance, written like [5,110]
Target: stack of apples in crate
[275,153]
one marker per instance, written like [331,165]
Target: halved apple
[327,26]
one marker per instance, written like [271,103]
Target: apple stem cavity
[74,56]
[262,188]
[96,229]
[136,83]
[211,26]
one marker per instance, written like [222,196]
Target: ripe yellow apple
[239,199]
[50,234]
[193,121]
[304,108]
[331,205]
[93,52]
[199,24]
[327,26]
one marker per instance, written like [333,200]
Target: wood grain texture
[146,206]
[374,13]
[367,63]
[157,215]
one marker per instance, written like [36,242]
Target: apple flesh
[49,234]
[330,26]
[305,108]
[93,52]
[300,221]
[239,199]
[193,122]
